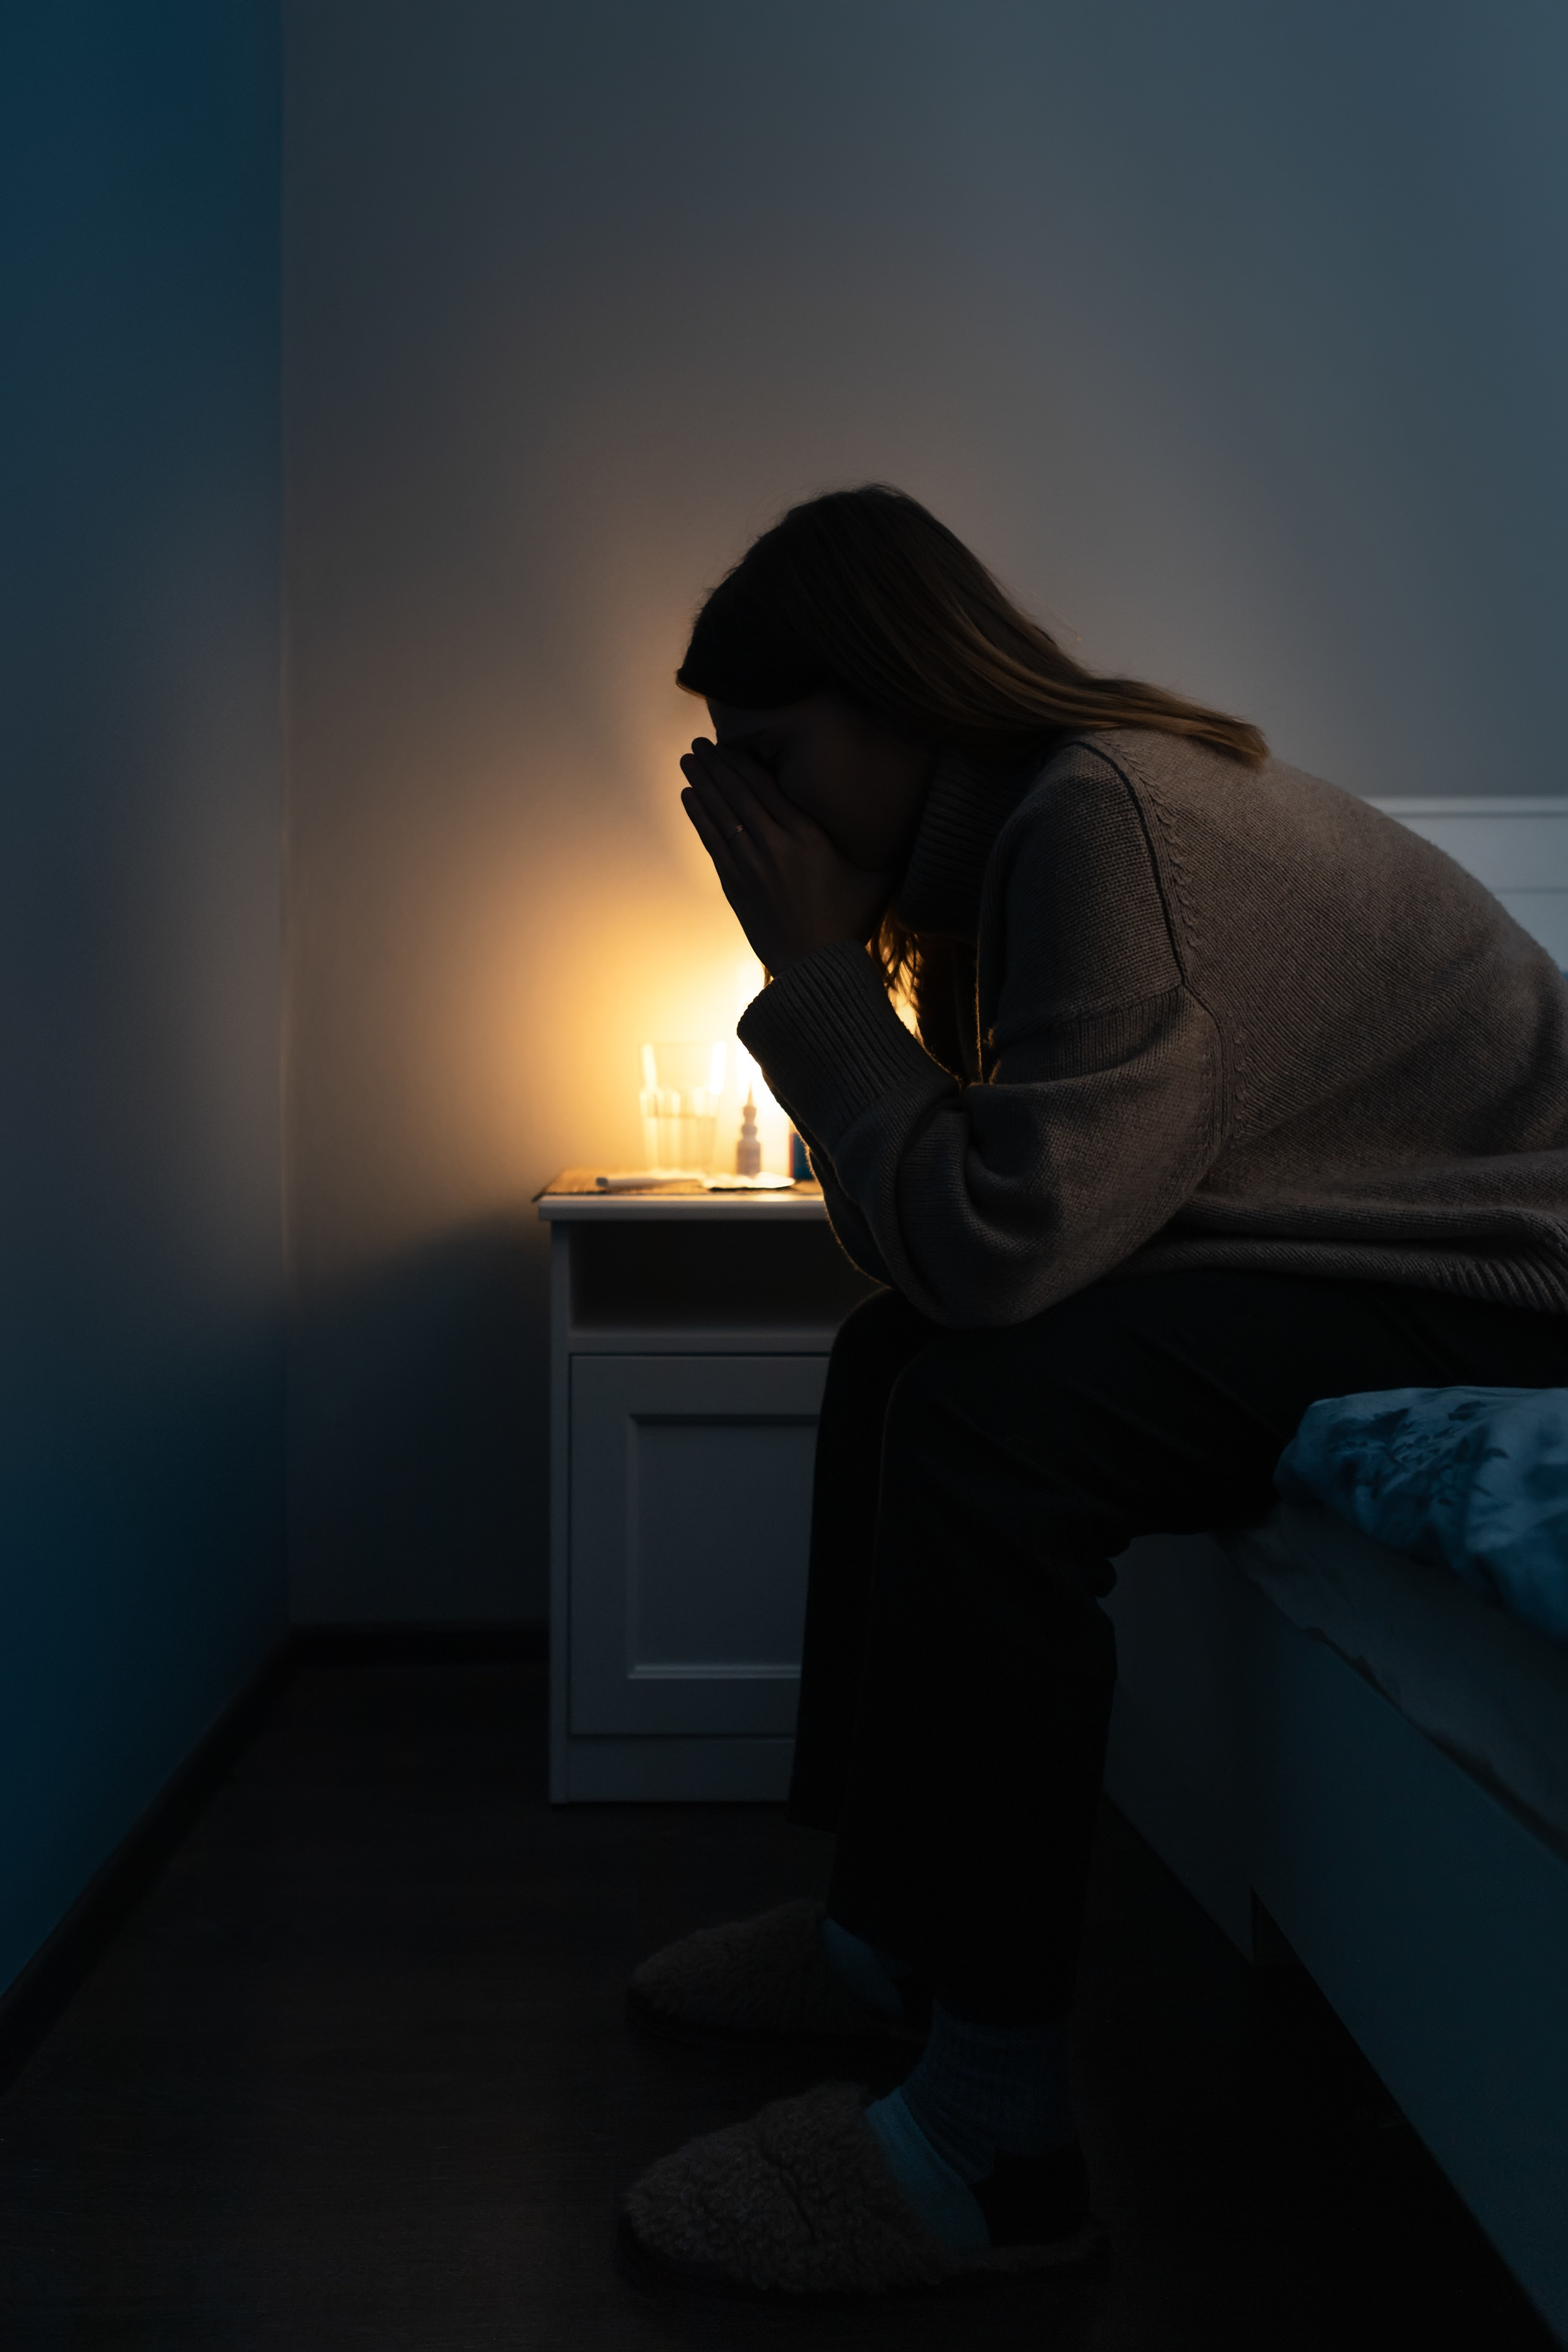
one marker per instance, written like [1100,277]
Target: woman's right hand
[792,890]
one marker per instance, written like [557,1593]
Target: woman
[1230,1094]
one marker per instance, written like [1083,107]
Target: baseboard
[31,2003]
[352,1645]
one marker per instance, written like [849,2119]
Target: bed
[1308,1722]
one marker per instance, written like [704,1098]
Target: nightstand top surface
[571,1196]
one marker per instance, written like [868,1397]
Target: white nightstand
[690,1335]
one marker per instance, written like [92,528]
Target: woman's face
[864,785]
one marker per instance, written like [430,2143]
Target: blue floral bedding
[1471,1479]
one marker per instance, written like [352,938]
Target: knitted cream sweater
[1214,1017]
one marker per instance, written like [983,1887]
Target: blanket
[1475,1480]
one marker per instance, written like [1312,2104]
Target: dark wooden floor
[355,2074]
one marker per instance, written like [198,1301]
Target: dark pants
[972,1488]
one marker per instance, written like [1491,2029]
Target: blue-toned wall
[1230,333]
[141,1251]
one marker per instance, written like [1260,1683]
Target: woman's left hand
[790,887]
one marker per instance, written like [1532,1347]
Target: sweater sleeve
[850,1229]
[1101,1107]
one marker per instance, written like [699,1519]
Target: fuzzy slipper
[766,1978]
[800,2201]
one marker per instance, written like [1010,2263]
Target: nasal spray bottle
[749,1148]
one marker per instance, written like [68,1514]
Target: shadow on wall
[419,1426]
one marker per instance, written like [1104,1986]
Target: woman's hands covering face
[791,889]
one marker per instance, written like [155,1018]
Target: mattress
[1483,1686]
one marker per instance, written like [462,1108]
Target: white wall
[1228,334]
[140,757]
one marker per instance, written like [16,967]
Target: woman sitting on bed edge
[1230,1094]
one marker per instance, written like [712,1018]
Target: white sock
[978,2092]
[981,2088]
[941,2196]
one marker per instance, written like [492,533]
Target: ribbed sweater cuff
[831,1043]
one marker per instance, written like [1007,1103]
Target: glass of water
[681,1089]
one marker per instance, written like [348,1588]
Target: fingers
[722,785]
[732,818]
[760,785]
[721,829]
[716,835]
[743,784]
[738,887]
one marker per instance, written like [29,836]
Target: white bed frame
[1518,846]
[1258,1764]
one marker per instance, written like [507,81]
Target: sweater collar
[965,809]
